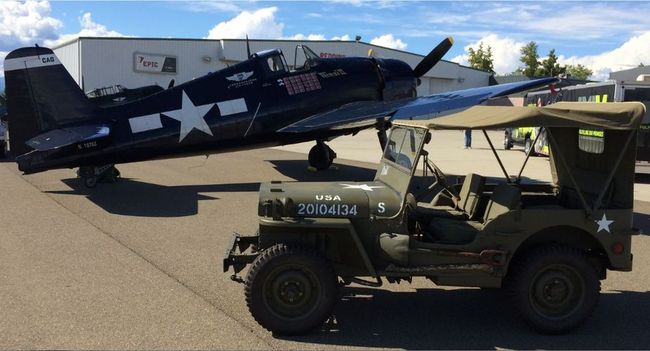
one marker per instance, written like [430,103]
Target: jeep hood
[328,199]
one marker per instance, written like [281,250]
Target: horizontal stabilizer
[58,138]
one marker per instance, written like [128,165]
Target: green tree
[550,67]
[481,59]
[578,71]
[529,58]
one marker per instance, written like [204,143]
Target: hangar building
[135,62]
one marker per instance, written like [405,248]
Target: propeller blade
[248,48]
[433,57]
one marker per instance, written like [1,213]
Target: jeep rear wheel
[290,289]
[555,289]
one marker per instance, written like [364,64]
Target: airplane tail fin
[41,96]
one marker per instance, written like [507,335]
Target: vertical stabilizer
[41,96]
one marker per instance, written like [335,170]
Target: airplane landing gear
[92,175]
[321,156]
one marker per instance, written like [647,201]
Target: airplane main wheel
[321,156]
[291,289]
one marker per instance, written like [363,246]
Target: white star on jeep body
[190,116]
[364,187]
[603,224]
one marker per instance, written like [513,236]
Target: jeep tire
[290,290]
[554,288]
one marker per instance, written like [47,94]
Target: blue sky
[604,36]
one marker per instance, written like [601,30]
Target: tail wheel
[290,290]
[321,156]
[555,289]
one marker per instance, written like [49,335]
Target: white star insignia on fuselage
[191,117]
[364,187]
[603,224]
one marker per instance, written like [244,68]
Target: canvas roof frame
[625,116]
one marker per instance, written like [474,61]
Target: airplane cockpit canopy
[273,61]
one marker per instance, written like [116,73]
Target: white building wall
[107,61]
[69,56]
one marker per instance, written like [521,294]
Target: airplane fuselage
[240,107]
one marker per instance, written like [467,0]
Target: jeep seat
[505,198]
[467,205]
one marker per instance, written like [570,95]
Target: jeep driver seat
[505,198]
[466,206]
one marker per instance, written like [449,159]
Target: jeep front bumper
[241,252]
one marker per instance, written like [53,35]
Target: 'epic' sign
[154,63]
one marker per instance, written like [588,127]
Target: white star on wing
[364,187]
[603,224]
[191,117]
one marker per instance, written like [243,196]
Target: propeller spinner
[433,57]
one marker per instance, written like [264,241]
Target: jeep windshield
[403,146]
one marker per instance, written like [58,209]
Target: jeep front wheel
[555,289]
[290,289]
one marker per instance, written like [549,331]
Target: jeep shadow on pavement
[548,244]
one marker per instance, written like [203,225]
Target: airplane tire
[554,288]
[321,156]
[291,289]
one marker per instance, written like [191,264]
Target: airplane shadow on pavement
[131,197]
[297,170]
[475,319]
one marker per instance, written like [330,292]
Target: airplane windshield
[276,64]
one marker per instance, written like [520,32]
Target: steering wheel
[441,180]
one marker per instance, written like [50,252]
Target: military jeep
[548,244]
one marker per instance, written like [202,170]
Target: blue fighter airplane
[257,103]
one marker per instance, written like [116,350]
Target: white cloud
[505,51]
[211,6]
[388,41]
[26,23]
[634,51]
[260,24]
[301,36]
[88,29]
[344,37]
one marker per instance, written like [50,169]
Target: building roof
[254,40]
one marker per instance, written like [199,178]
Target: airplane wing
[365,114]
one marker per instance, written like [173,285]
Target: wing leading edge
[365,114]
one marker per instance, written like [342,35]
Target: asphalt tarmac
[137,265]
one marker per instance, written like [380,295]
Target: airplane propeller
[433,57]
